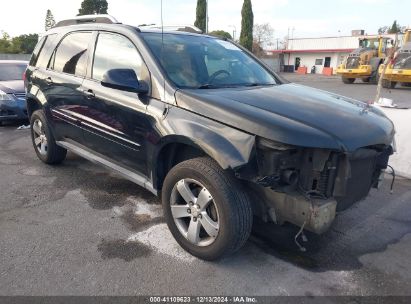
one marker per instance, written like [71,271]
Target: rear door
[115,122]
[63,81]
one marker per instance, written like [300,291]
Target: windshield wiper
[214,86]
[256,84]
[208,86]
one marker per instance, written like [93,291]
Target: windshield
[206,62]
[403,61]
[10,71]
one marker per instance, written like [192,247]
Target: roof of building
[285,51]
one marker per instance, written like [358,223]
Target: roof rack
[88,19]
[177,28]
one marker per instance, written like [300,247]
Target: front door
[115,122]
[297,63]
[64,78]
[327,62]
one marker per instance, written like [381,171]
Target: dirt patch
[122,249]
[138,222]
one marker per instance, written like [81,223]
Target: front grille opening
[6,113]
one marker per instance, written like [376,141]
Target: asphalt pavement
[358,90]
[77,229]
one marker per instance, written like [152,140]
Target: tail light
[24,76]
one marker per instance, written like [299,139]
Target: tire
[388,84]
[229,209]
[348,80]
[366,80]
[406,84]
[43,140]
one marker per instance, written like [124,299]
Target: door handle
[89,94]
[49,81]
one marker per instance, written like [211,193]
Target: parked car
[12,94]
[205,125]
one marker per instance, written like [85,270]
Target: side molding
[127,174]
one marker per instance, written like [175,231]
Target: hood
[12,86]
[293,114]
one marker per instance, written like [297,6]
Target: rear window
[12,71]
[70,57]
[37,50]
[44,55]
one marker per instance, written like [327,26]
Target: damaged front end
[306,186]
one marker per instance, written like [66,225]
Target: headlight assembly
[6,97]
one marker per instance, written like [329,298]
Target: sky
[310,18]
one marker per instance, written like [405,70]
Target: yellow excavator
[399,69]
[365,61]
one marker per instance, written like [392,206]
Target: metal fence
[273,63]
[15,56]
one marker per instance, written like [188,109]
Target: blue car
[12,93]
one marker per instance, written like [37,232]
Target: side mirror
[124,80]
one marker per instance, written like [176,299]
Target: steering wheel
[216,74]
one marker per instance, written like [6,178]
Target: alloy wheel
[195,212]
[40,138]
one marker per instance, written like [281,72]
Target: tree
[263,34]
[91,7]
[201,15]
[50,22]
[395,28]
[247,23]
[24,44]
[383,30]
[221,34]
[5,43]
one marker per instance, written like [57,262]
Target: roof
[116,26]
[105,21]
[14,61]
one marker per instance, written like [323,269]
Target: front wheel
[348,80]
[206,210]
[43,140]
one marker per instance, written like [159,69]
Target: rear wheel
[348,80]
[388,84]
[206,210]
[406,84]
[43,140]
[366,80]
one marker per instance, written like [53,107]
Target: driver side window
[116,52]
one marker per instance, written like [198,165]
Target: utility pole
[207,17]
[234,30]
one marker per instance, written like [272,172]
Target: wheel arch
[178,148]
[32,105]
[35,99]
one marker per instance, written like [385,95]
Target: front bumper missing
[316,215]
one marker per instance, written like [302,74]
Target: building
[319,52]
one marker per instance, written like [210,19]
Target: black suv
[204,124]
